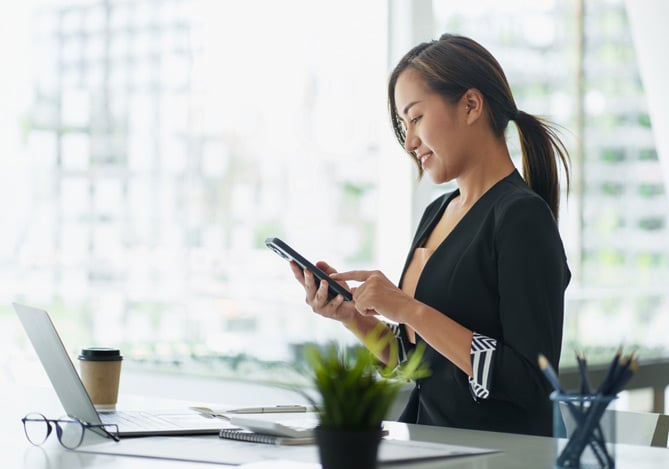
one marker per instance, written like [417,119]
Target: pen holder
[585,433]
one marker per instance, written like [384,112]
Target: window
[167,139]
[154,144]
[614,224]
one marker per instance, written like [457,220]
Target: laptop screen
[57,363]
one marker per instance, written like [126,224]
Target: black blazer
[501,272]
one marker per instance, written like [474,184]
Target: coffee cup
[100,369]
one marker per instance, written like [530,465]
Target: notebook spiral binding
[247,435]
[242,434]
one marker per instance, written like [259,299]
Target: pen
[211,413]
[275,409]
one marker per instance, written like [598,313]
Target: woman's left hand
[376,294]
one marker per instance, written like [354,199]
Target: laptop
[76,402]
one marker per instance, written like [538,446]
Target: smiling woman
[483,285]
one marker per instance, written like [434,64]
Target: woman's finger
[356,275]
[297,272]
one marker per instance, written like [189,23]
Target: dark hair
[452,65]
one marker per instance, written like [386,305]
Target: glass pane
[71,433]
[169,145]
[614,221]
[36,428]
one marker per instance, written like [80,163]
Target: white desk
[517,451]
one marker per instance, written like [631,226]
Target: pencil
[626,372]
[605,385]
[597,442]
[550,373]
[582,369]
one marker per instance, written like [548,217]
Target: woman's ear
[473,104]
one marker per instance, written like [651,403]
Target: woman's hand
[317,294]
[376,294]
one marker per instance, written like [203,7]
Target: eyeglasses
[70,431]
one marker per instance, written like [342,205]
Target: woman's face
[435,129]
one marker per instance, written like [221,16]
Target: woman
[484,281]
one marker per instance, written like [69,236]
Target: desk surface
[517,451]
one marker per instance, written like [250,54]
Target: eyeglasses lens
[37,428]
[70,433]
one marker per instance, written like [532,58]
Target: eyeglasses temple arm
[113,436]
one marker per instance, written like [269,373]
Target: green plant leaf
[357,390]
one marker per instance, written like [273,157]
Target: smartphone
[285,251]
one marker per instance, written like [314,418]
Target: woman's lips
[423,158]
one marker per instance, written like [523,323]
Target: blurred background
[150,146]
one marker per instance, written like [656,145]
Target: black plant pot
[348,449]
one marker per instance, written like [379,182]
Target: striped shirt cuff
[481,353]
[400,338]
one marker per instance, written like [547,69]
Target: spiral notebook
[290,431]
[242,434]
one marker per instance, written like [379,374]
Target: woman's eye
[415,119]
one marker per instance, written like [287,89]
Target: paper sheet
[221,451]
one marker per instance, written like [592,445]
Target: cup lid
[100,354]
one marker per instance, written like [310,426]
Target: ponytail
[542,149]
[454,64]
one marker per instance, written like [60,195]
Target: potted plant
[356,392]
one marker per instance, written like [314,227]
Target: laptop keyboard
[139,420]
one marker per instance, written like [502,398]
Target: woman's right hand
[317,294]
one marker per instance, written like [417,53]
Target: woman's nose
[411,142]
